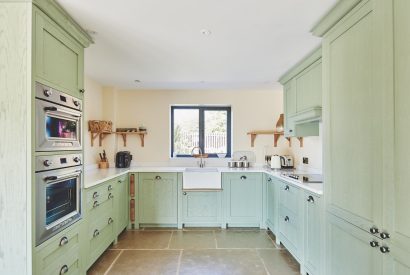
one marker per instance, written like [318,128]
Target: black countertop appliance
[123,159]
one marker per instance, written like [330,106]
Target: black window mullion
[202,129]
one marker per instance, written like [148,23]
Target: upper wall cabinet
[303,96]
[58,57]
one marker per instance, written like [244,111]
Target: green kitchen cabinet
[243,199]
[58,57]
[272,204]
[289,95]
[309,87]
[349,250]
[201,208]
[121,204]
[312,232]
[158,199]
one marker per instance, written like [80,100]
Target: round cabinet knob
[110,221]
[96,233]
[47,93]
[374,230]
[109,187]
[95,195]
[184,193]
[76,159]
[63,241]
[47,163]
[287,187]
[374,244]
[286,219]
[384,235]
[82,91]
[311,199]
[64,269]
[158,177]
[95,204]
[110,196]
[384,249]
[243,177]
[76,102]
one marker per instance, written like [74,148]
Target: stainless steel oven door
[57,127]
[58,201]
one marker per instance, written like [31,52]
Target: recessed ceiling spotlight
[137,81]
[206,32]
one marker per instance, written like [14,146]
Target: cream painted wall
[251,110]
[93,100]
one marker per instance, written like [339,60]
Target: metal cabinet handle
[384,235]
[82,91]
[95,204]
[374,244]
[384,249]
[286,219]
[269,179]
[110,196]
[95,195]
[109,187]
[96,233]
[64,269]
[243,177]
[311,199]
[290,130]
[374,230]
[184,193]
[110,221]
[287,188]
[63,241]
[158,177]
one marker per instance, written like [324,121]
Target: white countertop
[97,176]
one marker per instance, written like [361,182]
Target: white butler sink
[201,178]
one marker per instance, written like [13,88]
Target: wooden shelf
[276,136]
[141,134]
[100,136]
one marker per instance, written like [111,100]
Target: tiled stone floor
[196,251]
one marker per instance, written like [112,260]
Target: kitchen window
[207,127]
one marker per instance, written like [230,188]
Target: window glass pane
[216,133]
[186,130]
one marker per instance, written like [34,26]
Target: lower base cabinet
[201,208]
[121,204]
[243,199]
[272,204]
[312,233]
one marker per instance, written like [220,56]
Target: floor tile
[192,240]
[143,240]
[146,262]
[221,262]
[243,239]
[103,263]
[279,261]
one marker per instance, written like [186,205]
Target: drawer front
[289,196]
[63,244]
[99,196]
[99,244]
[100,222]
[157,176]
[69,262]
[289,230]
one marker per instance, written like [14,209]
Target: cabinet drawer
[99,223]
[99,244]
[289,228]
[99,196]
[289,197]
[69,262]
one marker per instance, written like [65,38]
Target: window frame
[202,110]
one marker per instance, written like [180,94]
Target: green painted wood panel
[58,58]
[353,120]
[121,209]
[312,232]
[272,204]
[201,208]
[309,87]
[157,198]
[243,199]
[289,98]
[348,250]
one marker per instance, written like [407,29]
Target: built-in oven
[58,194]
[58,120]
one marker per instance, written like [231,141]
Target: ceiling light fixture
[137,81]
[206,32]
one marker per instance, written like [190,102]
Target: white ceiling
[160,42]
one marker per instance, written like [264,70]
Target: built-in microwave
[58,194]
[58,120]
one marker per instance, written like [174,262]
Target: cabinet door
[272,205]
[201,208]
[243,199]
[312,234]
[121,204]
[397,214]
[309,87]
[353,117]
[157,198]
[59,59]
[289,96]
[349,250]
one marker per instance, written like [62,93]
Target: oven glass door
[57,127]
[58,201]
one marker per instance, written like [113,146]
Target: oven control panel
[47,93]
[44,163]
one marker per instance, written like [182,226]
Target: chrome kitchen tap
[201,162]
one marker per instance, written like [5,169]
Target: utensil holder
[103,165]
